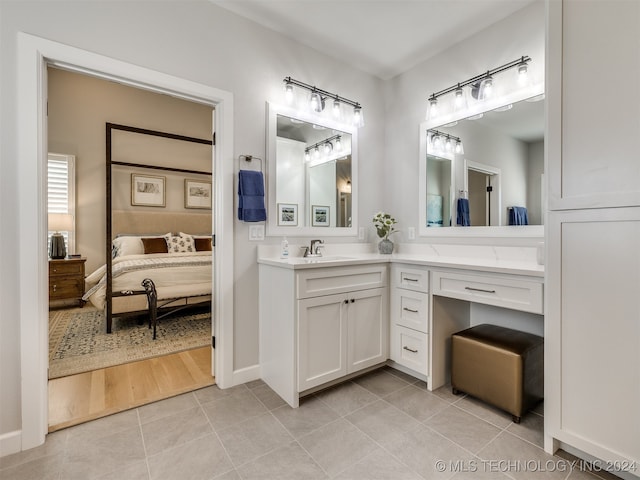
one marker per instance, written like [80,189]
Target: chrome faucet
[316,245]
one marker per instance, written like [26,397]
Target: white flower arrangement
[384,225]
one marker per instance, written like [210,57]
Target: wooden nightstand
[66,281]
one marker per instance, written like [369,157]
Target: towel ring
[250,158]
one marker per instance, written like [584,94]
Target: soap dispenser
[284,248]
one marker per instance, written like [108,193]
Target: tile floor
[384,425]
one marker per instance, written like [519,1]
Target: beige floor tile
[381,383]
[232,475]
[499,418]
[379,465]
[163,408]
[416,402]
[233,409]
[309,416]
[54,445]
[209,394]
[90,431]
[383,422]
[530,428]
[346,397]
[200,458]
[255,383]
[337,446]
[88,458]
[248,440]
[520,459]
[428,453]
[462,428]
[44,468]
[137,471]
[174,430]
[268,397]
[290,462]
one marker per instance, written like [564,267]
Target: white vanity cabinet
[318,325]
[409,318]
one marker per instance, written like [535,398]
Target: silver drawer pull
[479,290]
[409,279]
[410,349]
[409,310]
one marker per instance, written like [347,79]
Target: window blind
[61,192]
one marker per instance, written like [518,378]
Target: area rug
[78,341]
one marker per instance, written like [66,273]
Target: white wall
[202,43]
[522,33]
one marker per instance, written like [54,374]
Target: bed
[178,263]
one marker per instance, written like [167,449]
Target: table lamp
[59,222]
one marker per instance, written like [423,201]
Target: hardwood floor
[86,396]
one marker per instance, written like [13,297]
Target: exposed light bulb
[316,153]
[288,93]
[487,87]
[459,148]
[315,102]
[327,148]
[459,99]
[436,141]
[307,156]
[338,145]
[523,70]
[448,145]
[358,118]
[433,108]
[336,108]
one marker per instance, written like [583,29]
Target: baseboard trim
[10,442]
[247,374]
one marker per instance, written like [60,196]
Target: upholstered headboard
[128,221]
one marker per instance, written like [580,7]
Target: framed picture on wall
[319,216]
[288,214]
[147,190]
[197,194]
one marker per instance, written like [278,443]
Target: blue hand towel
[463,212]
[518,216]
[251,196]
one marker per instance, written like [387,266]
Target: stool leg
[455,391]
[515,419]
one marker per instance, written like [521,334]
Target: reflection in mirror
[314,171]
[498,177]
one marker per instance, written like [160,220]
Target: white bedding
[174,274]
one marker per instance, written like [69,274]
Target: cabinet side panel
[600,331]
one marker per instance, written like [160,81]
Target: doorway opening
[483,186]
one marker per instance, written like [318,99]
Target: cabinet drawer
[410,348]
[410,277]
[327,281]
[66,268]
[410,309]
[65,288]
[501,291]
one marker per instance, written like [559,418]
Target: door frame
[34,55]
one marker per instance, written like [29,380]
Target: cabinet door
[322,347]
[368,328]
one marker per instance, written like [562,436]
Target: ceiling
[382,37]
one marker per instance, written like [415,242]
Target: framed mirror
[494,185]
[311,174]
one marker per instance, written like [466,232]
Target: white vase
[385,246]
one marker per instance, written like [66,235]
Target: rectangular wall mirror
[499,173]
[312,163]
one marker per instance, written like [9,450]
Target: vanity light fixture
[327,146]
[443,143]
[318,97]
[481,87]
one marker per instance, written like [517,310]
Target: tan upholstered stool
[500,366]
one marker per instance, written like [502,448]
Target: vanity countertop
[484,264]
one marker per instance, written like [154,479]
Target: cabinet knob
[54,287]
[353,300]
[346,301]
[55,270]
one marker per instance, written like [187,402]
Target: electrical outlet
[361,233]
[256,232]
[411,233]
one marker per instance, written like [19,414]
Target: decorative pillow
[180,243]
[155,245]
[203,244]
[127,245]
